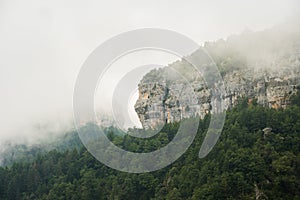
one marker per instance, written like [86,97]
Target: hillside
[248,162]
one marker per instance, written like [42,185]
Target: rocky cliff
[270,78]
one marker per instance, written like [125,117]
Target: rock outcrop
[164,96]
[169,101]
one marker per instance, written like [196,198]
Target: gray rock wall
[164,100]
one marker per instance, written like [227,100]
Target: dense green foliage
[244,164]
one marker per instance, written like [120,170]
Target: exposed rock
[258,65]
[167,98]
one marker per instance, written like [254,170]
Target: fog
[44,43]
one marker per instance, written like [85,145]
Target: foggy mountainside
[257,155]
[262,65]
[27,152]
[24,152]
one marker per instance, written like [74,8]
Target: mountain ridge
[264,66]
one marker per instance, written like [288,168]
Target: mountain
[264,66]
[256,157]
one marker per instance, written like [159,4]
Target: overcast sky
[44,43]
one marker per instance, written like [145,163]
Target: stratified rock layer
[262,66]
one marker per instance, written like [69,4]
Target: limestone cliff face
[164,96]
[163,101]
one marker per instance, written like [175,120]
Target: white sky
[44,43]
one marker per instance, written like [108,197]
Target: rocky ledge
[269,78]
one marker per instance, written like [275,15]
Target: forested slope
[246,163]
